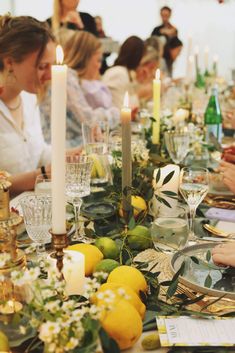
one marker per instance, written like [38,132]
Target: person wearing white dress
[27,51]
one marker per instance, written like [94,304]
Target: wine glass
[194,185]
[77,185]
[42,185]
[37,218]
[96,133]
[177,144]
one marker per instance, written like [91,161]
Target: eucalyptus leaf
[194,259]
[165,202]
[158,176]
[208,281]
[131,223]
[108,344]
[208,255]
[168,177]
[169,193]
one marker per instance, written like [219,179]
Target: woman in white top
[121,77]
[88,98]
[27,51]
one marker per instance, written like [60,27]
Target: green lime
[108,247]
[4,344]
[106,265]
[151,342]
[139,238]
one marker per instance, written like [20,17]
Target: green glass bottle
[213,117]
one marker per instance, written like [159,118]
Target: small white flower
[52,306]
[71,344]
[4,258]
[22,330]
[47,330]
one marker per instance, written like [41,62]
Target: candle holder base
[59,242]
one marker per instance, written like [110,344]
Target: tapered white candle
[206,57]
[58,118]
[190,70]
[196,54]
[215,64]
[126,152]
[156,108]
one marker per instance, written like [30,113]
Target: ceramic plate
[223,279]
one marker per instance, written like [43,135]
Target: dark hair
[166,8]
[172,43]
[22,35]
[131,53]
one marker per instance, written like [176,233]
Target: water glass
[78,176]
[101,172]
[42,185]
[77,185]
[170,230]
[177,145]
[96,133]
[37,218]
[194,185]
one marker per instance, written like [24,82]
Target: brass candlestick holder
[59,242]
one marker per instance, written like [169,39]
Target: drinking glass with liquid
[170,229]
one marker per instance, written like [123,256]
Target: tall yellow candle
[58,118]
[126,153]
[156,108]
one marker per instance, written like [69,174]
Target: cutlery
[218,232]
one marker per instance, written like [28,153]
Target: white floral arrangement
[139,154]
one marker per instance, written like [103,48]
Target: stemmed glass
[194,185]
[177,144]
[37,218]
[78,178]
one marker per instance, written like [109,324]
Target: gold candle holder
[59,242]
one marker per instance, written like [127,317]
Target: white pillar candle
[156,108]
[171,185]
[73,271]
[126,152]
[58,118]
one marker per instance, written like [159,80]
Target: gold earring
[10,78]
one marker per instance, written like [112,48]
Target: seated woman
[65,14]
[172,50]
[122,76]
[228,171]
[88,99]
[26,55]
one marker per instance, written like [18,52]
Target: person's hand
[228,171]
[224,254]
[229,154]
[74,17]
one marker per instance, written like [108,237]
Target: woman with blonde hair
[88,99]
[65,14]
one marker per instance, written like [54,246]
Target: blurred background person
[88,99]
[121,77]
[166,29]
[157,44]
[66,14]
[99,27]
[172,49]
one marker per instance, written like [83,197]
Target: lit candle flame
[158,74]
[59,55]
[126,100]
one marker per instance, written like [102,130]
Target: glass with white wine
[194,185]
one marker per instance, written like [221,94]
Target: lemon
[129,276]
[106,265]
[122,292]
[97,168]
[92,255]
[139,238]
[138,204]
[123,323]
[108,247]
[151,342]
[4,343]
